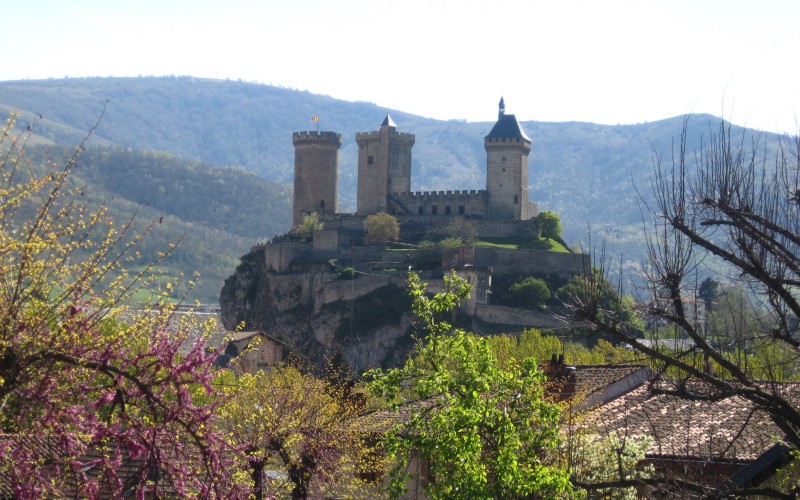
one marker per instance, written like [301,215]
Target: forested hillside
[214,214]
[585,172]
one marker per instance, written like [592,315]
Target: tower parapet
[316,173]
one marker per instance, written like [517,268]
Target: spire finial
[502,107]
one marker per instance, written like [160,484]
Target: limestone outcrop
[367,320]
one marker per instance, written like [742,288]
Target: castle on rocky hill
[332,292]
[384,177]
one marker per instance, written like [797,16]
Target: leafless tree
[731,208]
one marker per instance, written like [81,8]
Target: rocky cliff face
[367,319]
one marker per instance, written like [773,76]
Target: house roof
[593,380]
[194,323]
[240,336]
[381,421]
[728,429]
[49,449]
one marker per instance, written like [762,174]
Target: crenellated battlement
[332,139]
[507,144]
[510,140]
[417,194]
[402,137]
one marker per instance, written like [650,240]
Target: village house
[716,443]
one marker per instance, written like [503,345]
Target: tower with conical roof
[316,174]
[507,148]
[384,166]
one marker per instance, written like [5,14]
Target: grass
[546,244]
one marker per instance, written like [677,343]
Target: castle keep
[384,176]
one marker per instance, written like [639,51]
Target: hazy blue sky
[600,61]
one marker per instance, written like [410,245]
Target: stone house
[251,351]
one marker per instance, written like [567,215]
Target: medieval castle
[296,289]
[384,176]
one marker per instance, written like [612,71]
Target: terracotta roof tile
[726,429]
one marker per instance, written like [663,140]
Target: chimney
[561,378]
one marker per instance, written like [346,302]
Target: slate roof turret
[507,126]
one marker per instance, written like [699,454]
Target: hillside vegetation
[584,172]
[214,214]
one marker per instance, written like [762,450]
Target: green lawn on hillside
[546,244]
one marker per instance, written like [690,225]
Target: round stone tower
[507,148]
[316,173]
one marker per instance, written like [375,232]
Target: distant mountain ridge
[583,171]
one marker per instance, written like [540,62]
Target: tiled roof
[730,429]
[380,421]
[54,464]
[194,321]
[594,379]
[239,336]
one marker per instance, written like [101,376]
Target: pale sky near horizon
[616,61]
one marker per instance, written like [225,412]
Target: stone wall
[279,256]
[515,318]
[522,262]
[326,239]
[466,202]
[333,290]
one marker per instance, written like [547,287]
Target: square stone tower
[384,166]
[507,148]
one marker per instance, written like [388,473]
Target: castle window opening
[447,210]
[322,203]
[516,198]
[434,209]
[420,210]
[504,159]
[370,160]
[461,210]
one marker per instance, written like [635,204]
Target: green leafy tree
[709,291]
[594,289]
[735,319]
[309,224]
[485,431]
[532,343]
[381,228]
[451,242]
[530,292]
[549,224]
